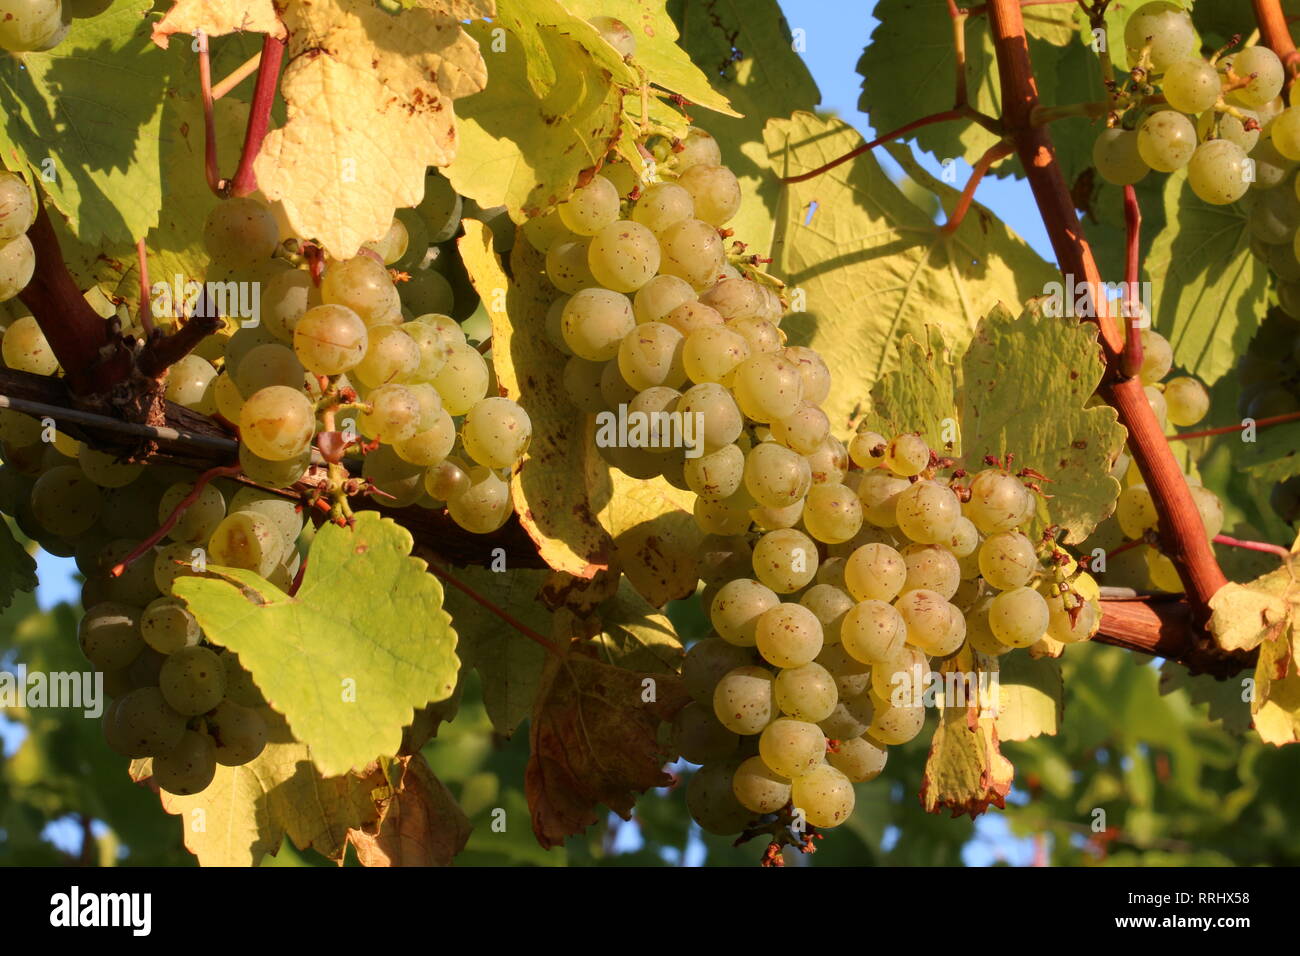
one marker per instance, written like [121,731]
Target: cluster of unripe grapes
[1181,401]
[821,649]
[1220,117]
[35,26]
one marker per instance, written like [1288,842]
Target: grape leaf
[748,51]
[345,663]
[1225,699]
[869,266]
[636,636]
[1057,24]
[1029,697]
[1272,455]
[420,823]
[370,105]
[1057,362]
[217,18]
[1246,615]
[17,567]
[1209,292]
[246,811]
[593,740]
[526,151]
[965,771]
[656,538]
[919,395]
[553,502]
[1276,706]
[545,60]
[98,95]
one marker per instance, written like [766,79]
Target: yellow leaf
[217,18]
[655,536]
[1244,615]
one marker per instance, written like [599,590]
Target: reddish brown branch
[1131,363]
[1275,33]
[259,114]
[1228,429]
[182,506]
[1163,627]
[161,352]
[146,305]
[211,165]
[1263,546]
[991,155]
[879,140]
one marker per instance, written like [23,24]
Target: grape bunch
[36,26]
[17,257]
[1217,116]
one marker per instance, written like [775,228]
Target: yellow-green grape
[772,519]
[1220,172]
[654,406]
[859,758]
[737,607]
[1209,508]
[434,336]
[229,402]
[851,676]
[18,429]
[189,767]
[761,334]
[391,356]
[1018,617]
[1186,401]
[1166,140]
[200,519]
[622,175]
[145,724]
[393,414]
[1156,402]
[65,502]
[463,380]
[267,365]
[331,339]
[1192,85]
[283,512]
[1157,357]
[867,449]
[399,482]
[1213,124]
[105,470]
[1264,70]
[933,624]
[791,748]
[1164,576]
[650,354]
[248,540]
[24,346]
[814,372]
[447,480]
[806,693]
[698,736]
[804,431]
[759,788]
[485,505]
[824,795]
[725,516]
[655,300]
[286,298]
[933,568]
[1007,560]
[193,680]
[167,626]
[907,455]
[697,148]
[715,475]
[879,493]
[692,250]
[17,208]
[785,560]
[768,386]
[717,421]
[663,205]
[594,323]
[743,699]
[590,208]
[927,511]
[17,266]
[964,539]
[240,233]
[899,681]
[365,287]
[430,446]
[832,513]
[567,268]
[875,572]
[1163,29]
[788,635]
[391,246]
[190,383]
[895,726]
[496,432]
[851,717]
[711,800]
[978,633]
[998,501]
[277,423]
[1136,511]
[693,315]
[623,256]
[873,632]
[1072,628]
[440,208]
[173,561]
[109,635]
[426,292]
[274,473]
[1285,133]
[582,384]
[735,298]
[776,476]
[707,661]
[715,191]
[239,733]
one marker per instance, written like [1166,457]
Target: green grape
[1166,140]
[285,513]
[582,384]
[663,205]
[1165,29]
[277,423]
[965,538]
[434,344]
[933,625]
[814,372]
[850,718]
[248,540]
[1136,511]
[690,317]
[392,415]
[927,511]
[65,502]
[879,493]
[1156,400]
[240,687]
[1192,85]
[832,513]
[364,286]
[1068,629]
[399,482]
[743,699]
[200,519]
[1265,71]
[978,632]
[1007,560]
[737,607]
[17,208]
[427,291]
[24,346]
[240,233]
[768,386]
[707,661]
[1209,508]
[567,268]
[19,430]
[618,35]
[931,567]
[776,476]
[595,322]
[806,693]
[623,256]
[791,748]
[715,191]
[650,354]
[274,473]
[1116,158]
[735,298]
[623,176]
[330,339]
[267,365]
[698,735]
[788,635]
[1164,576]
[659,297]
[1220,172]
[1275,215]
[1018,617]
[496,432]
[830,602]
[190,383]
[692,250]
[614,389]
[724,516]
[1157,357]
[998,501]
[485,505]
[286,298]
[189,767]
[656,405]
[1214,125]
[1187,401]
[712,802]
[109,635]
[867,449]
[715,475]
[830,464]
[167,626]
[591,208]
[718,422]
[135,586]
[759,788]
[772,519]
[895,726]
[697,148]
[859,758]
[391,356]
[391,246]
[440,208]
[875,572]
[907,455]
[824,795]
[145,724]
[804,431]
[785,561]
[760,334]
[873,632]
[239,733]
[431,445]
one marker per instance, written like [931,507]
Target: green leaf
[345,662]
[1226,699]
[1029,696]
[919,395]
[17,567]
[748,51]
[637,636]
[870,267]
[545,58]
[1209,291]
[1056,361]
[1272,455]
[87,114]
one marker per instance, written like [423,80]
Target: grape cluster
[36,26]
[1220,117]
[17,257]
[1181,401]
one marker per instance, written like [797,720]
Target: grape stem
[240,73]
[143,548]
[146,305]
[211,167]
[259,114]
[1131,360]
[473,595]
[1264,546]
[1229,429]
[994,153]
[297,578]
